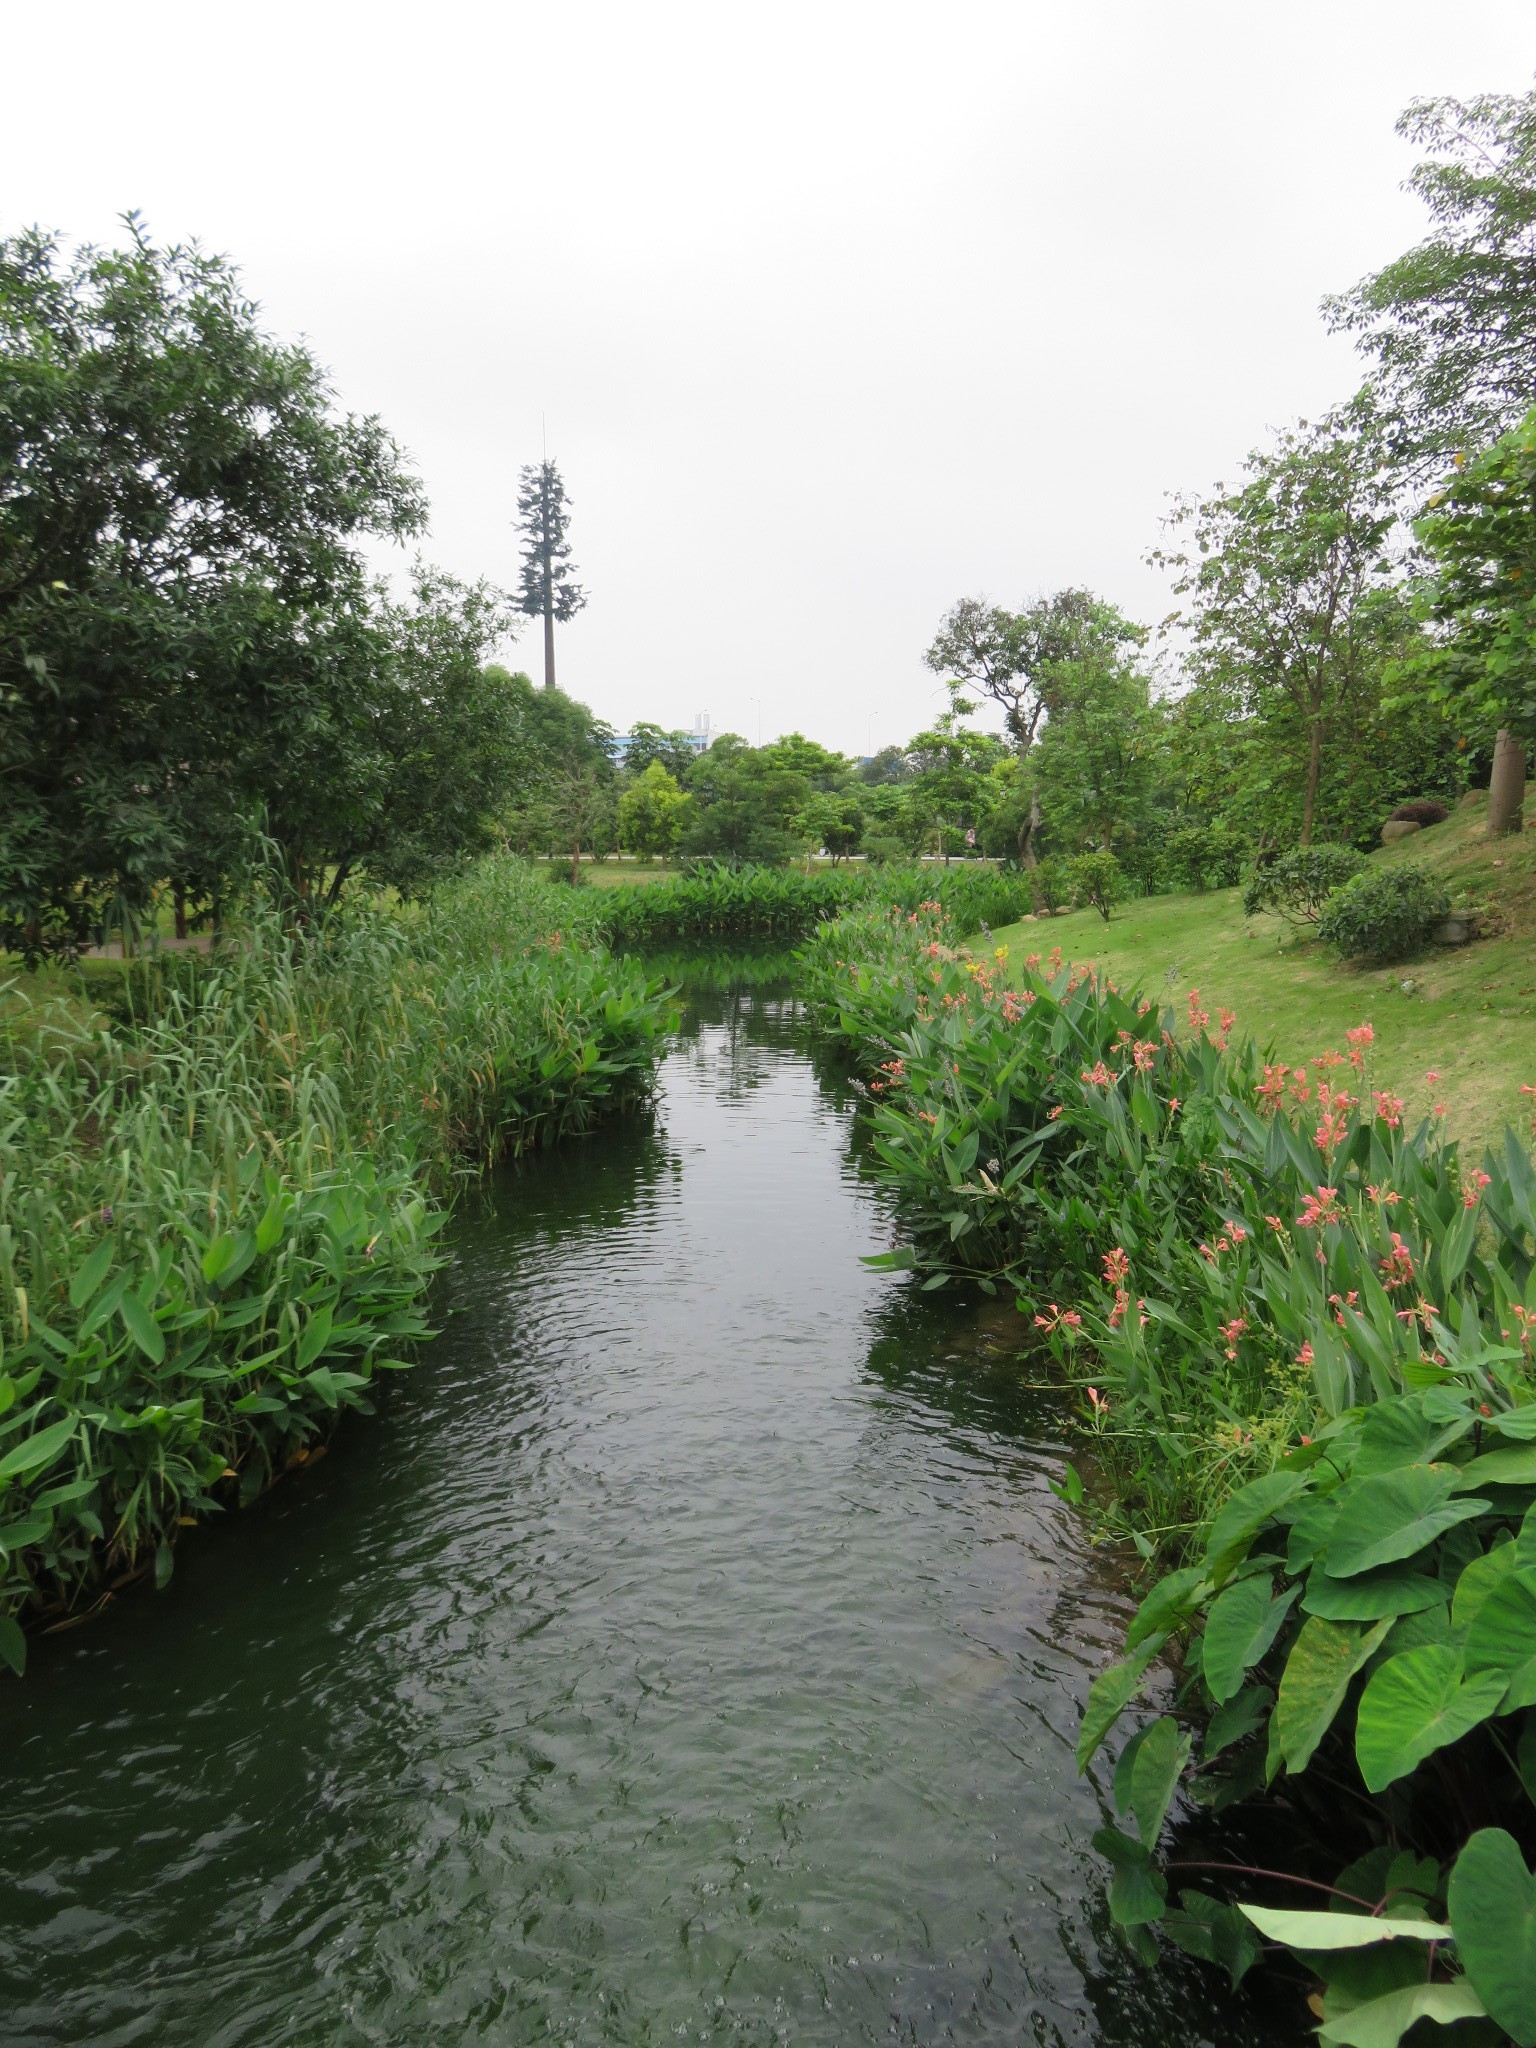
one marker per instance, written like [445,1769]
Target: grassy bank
[221,1185]
[1468,1014]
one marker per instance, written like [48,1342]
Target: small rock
[1398,828]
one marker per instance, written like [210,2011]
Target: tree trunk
[575,863]
[549,645]
[1314,775]
[179,900]
[1506,786]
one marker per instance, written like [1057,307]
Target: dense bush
[1308,1329]
[1200,857]
[1298,884]
[1384,913]
[217,1222]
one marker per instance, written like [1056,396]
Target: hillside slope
[1467,1013]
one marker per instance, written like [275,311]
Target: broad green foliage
[652,812]
[1480,532]
[218,1221]
[189,639]
[1452,323]
[1310,1336]
[1384,914]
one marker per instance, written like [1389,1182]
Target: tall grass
[219,1213]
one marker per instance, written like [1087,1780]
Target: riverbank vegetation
[220,1207]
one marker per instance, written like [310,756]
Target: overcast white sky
[835,312]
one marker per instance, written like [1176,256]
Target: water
[691,1650]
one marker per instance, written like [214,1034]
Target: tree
[833,819]
[1480,535]
[1288,583]
[1452,324]
[652,812]
[1013,658]
[746,803]
[1095,767]
[546,585]
[568,756]
[647,743]
[180,592]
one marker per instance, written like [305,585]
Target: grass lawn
[616,874]
[1468,1012]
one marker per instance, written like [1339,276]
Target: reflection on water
[691,1650]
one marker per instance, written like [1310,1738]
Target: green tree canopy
[653,812]
[1451,324]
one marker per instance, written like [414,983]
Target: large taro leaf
[1324,1658]
[1109,1696]
[1158,1765]
[1478,1580]
[1392,1589]
[1501,1640]
[1138,1892]
[1217,1933]
[1513,1467]
[1382,2022]
[1493,1910]
[1240,1627]
[1319,1932]
[1172,1600]
[1239,1717]
[1414,1704]
[1394,1515]
[1244,1516]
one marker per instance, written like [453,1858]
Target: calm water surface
[691,1650]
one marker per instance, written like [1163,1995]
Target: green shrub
[1200,857]
[1095,879]
[1384,913]
[1050,884]
[1298,884]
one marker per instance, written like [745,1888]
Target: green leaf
[314,1340]
[1239,1629]
[142,1328]
[165,1564]
[1382,2022]
[13,1645]
[1244,1516]
[1478,1580]
[218,1256]
[1394,1515]
[902,1260]
[1158,1766]
[1138,1892]
[1217,1933]
[270,1228]
[1236,1719]
[1324,1931]
[1172,1600]
[1493,1909]
[1515,1467]
[1109,1696]
[36,1451]
[1502,1639]
[1414,1704]
[1391,1590]
[1069,1487]
[91,1274]
[1324,1658]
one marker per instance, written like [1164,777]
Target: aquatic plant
[218,1219]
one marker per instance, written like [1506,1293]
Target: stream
[690,1650]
